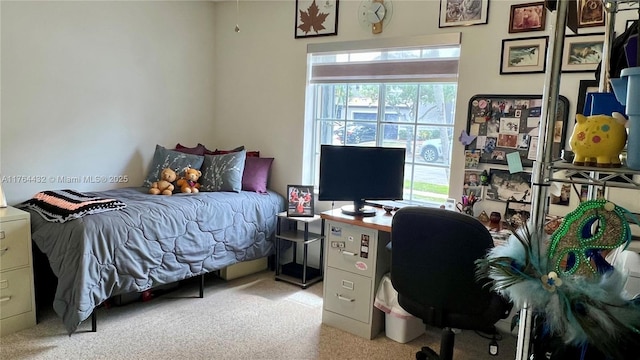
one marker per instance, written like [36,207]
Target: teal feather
[582,310]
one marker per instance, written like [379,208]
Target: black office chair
[433,270]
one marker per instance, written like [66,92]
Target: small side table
[287,230]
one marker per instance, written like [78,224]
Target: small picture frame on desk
[300,201]
[517,213]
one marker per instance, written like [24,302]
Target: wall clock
[375,14]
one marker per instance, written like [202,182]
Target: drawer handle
[1,234]
[343,298]
[6,298]
[3,250]
[348,253]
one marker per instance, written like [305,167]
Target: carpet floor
[253,317]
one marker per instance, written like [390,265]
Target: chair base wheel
[427,354]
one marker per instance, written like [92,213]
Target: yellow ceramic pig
[597,140]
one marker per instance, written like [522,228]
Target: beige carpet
[253,317]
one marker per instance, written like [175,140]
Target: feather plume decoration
[580,296]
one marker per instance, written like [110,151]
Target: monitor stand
[358,209]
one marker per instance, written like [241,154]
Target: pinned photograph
[504,186]
[471,159]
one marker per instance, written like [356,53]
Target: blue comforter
[154,240]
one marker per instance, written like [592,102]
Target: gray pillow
[223,172]
[165,158]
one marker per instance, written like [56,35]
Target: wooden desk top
[381,222]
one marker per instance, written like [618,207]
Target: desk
[356,261]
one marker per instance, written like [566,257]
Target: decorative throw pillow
[256,174]
[164,158]
[223,172]
[221,152]
[239,148]
[198,150]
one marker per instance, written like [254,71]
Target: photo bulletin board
[504,124]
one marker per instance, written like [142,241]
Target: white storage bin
[628,262]
[402,330]
[400,326]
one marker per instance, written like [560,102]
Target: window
[397,96]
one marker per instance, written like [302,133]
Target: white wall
[267,66]
[89,88]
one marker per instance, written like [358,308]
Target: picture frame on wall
[300,202]
[316,18]
[582,53]
[590,13]
[527,17]
[463,12]
[524,56]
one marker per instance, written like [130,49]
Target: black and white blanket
[64,205]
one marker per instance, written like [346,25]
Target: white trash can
[400,326]
[628,262]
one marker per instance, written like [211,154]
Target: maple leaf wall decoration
[312,18]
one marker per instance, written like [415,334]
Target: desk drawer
[14,244]
[15,292]
[348,294]
[351,248]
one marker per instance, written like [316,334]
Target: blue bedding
[154,240]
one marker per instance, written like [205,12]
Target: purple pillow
[256,174]
[198,150]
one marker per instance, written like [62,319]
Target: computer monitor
[358,173]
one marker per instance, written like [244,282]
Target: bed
[153,240]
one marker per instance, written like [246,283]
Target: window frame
[314,120]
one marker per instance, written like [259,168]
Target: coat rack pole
[543,158]
[609,32]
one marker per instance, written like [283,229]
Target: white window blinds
[416,59]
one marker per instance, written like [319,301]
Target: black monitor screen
[354,173]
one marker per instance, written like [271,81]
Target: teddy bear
[188,183]
[165,185]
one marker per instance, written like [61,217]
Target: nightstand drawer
[15,292]
[347,294]
[14,244]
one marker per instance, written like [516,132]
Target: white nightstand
[17,300]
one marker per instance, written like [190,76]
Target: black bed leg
[201,286]
[94,321]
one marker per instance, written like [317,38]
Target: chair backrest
[433,267]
